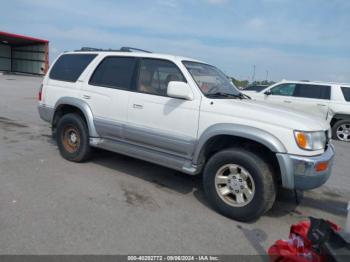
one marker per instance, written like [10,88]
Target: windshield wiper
[244,96]
[222,94]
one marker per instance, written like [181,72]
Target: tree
[239,83]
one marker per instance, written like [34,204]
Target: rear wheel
[341,130]
[73,138]
[239,184]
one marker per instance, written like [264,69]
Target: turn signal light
[301,140]
[322,166]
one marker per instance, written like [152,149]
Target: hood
[270,114]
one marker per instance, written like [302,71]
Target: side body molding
[248,132]
[84,107]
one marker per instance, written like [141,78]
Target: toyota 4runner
[185,115]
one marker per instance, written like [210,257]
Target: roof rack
[130,49]
[317,82]
[122,49]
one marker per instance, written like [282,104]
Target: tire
[259,180]
[341,130]
[72,138]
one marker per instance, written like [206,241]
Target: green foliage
[239,83]
[244,83]
[265,82]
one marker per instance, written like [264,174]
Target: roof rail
[130,49]
[335,83]
[317,82]
[93,49]
[89,49]
[123,49]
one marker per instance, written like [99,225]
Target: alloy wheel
[235,185]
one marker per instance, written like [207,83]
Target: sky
[284,39]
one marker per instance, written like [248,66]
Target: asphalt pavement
[119,205]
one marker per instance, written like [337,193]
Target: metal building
[23,54]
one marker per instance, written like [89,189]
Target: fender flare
[243,131]
[84,107]
[341,117]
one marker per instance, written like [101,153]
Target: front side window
[283,90]
[70,66]
[114,72]
[210,80]
[346,93]
[313,91]
[155,76]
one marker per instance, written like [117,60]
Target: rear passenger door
[107,93]
[313,99]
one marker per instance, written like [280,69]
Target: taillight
[40,94]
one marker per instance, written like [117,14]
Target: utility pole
[253,76]
[267,75]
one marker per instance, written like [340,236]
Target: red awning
[14,39]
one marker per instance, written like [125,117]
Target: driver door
[157,121]
[281,95]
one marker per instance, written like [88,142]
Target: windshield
[210,80]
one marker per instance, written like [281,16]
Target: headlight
[310,140]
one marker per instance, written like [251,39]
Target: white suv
[186,115]
[329,101]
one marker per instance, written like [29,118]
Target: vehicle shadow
[161,177]
[168,179]
[287,203]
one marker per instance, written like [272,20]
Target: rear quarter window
[313,91]
[70,66]
[346,93]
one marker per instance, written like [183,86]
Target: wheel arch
[222,136]
[69,104]
[338,117]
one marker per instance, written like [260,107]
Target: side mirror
[181,90]
[268,92]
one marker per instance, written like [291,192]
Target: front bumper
[299,172]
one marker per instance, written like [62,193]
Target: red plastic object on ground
[298,247]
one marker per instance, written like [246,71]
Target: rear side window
[69,67]
[114,72]
[313,91]
[346,93]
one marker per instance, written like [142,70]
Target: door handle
[86,97]
[321,105]
[137,106]
[287,101]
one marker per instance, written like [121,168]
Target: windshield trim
[206,64]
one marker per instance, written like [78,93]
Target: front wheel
[239,184]
[341,130]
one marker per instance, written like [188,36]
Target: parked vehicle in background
[256,88]
[330,101]
[186,115]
